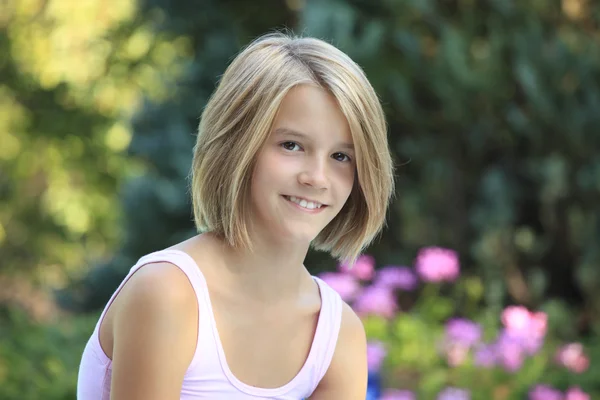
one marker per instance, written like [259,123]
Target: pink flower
[572,357]
[396,394]
[435,264]
[378,300]
[519,320]
[575,393]
[538,323]
[402,278]
[512,348]
[363,268]
[347,286]
[376,353]
[515,318]
[523,335]
[456,354]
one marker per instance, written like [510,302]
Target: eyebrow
[291,132]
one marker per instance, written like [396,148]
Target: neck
[270,271]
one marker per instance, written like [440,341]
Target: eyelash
[283,144]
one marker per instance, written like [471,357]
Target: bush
[40,361]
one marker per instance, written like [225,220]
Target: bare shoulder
[159,291]
[347,374]
[154,333]
[352,328]
[157,284]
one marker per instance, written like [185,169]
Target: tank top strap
[187,265]
[190,268]
[326,340]
[180,259]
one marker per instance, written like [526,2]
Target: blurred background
[493,109]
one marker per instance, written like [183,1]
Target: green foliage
[69,84]
[40,360]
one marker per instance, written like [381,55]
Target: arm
[154,334]
[347,375]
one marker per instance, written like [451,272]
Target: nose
[314,174]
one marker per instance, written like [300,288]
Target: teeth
[303,203]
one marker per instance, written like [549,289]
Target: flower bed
[432,337]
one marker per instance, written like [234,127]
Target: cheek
[267,172]
[346,179]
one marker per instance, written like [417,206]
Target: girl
[291,152]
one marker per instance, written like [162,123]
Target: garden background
[483,285]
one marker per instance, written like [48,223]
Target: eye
[341,157]
[291,146]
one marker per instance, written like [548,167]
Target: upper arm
[347,375]
[154,334]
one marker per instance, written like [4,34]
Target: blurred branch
[517,285]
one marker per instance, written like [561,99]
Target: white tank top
[208,375]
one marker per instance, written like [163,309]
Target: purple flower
[463,331]
[531,344]
[397,278]
[513,347]
[509,351]
[376,353]
[545,392]
[451,393]
[436,264]
[378,300]
[363,268]
[485,356]
[347,286]
[461,335]
[396,394]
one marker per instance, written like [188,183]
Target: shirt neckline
[238,384]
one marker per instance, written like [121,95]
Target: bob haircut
[237,121]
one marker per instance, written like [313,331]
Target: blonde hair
[237,121]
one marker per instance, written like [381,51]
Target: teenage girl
[291,152]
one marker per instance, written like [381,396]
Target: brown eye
[341,157]
[291,146]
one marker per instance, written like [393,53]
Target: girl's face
[305,171]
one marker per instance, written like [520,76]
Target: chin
[297,235]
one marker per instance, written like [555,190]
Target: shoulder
[157,296]
[350,356]
[352,340]
[158,285]
[347,374]
[154,333]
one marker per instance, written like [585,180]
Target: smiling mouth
[305,204]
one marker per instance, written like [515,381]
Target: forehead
[312,111]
